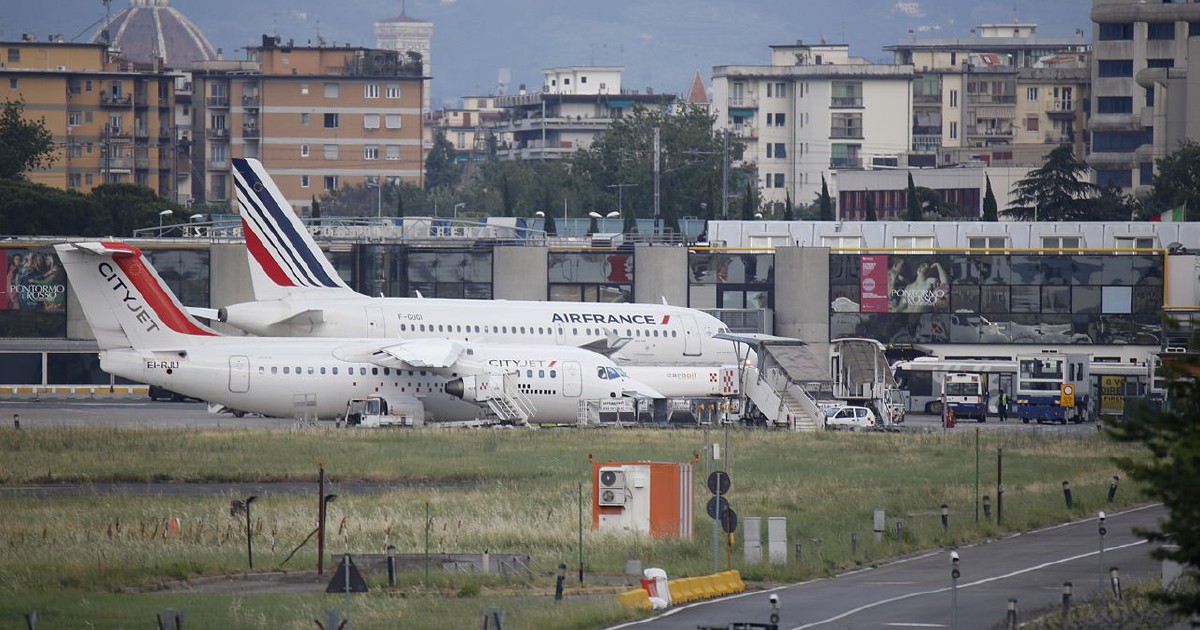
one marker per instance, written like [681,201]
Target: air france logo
[129,300]
[600,318]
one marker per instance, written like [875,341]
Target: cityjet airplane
[300,293]
[145,335]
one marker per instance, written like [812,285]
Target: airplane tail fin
[284,258]
[126,302]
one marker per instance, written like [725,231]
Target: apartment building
[111,119]
[319,118]
[575,105]
[813,111]
[998,96]
[468,128]
[1139,45]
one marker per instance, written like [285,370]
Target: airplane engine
[479,388]
[259,318]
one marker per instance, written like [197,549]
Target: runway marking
[916,625]
[1038,567]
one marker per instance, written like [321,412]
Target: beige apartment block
[111,120]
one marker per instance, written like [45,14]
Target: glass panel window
[1116,299]
[1056,299]
[331,152]
[393,90]
[371,152]
[393,152]
[370,121]
[371,90]
[392,121]
[331,90]
[987,242]
[331,182]
[331,121]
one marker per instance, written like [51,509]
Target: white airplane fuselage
[651,335]
[273,377]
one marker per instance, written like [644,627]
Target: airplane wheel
[238,413]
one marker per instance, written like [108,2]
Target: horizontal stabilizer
[308,317]
[606,346]
[205,313]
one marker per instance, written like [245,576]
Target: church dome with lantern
[147,30]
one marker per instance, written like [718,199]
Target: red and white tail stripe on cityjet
[145,335]
[298,293]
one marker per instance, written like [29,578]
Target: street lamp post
[164,213]
[456,207]
[619,187]
[325,501]
[378,186]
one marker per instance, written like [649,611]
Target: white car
[851,418]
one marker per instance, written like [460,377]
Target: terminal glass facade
[723,280]
[399,271]
[591,276]
[1002,299]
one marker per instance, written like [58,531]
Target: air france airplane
[300,293]
[145,335]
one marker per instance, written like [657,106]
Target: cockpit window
[612,373]
[601,373]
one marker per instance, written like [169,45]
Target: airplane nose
[455,388]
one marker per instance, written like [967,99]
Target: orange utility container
[653,498]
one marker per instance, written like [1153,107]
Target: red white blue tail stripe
[275,237]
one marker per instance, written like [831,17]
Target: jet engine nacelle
[476,388]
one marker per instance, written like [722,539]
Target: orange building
[111,119]
[319,118]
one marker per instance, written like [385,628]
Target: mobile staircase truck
[1052,387]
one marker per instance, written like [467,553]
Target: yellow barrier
[637,598]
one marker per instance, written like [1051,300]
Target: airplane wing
[608,345]
[424,353]
[308,316]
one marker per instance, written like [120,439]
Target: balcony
[846,101]
[141,132]
[118,163]
[927,99]
[141,163]
[141,100]
[845,132]
[251,101]
[744,102]
[1064,108]
[218,194]
[929,142]
[111,100]
[250,131]
[217,134]
[217,101]
[218,164]
[745,131]
[118,133]
[846,162]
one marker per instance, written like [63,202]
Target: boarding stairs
[862,376]
[504,399]
[777,379]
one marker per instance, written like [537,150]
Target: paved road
[916,592]
[926,422]
[131,412]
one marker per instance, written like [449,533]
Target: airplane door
[691,336]
[375,327]
[239,374]
[572,379]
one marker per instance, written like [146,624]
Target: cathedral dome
[149,29]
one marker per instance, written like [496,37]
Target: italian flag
[1173,215]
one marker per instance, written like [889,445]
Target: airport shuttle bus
[1112,388]
[1052,388]
[966,395]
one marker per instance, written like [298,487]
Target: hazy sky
[660,43]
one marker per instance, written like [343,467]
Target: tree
[913,205]
[871,213]
[24,144]
[27,208]
[691,157]
[316,208]
[989,202]
[441,166]
[824,201]
[1177,182]
[749,203]
[128,207]
[549,226]
[1171,471]
[789,214]
[1056,191]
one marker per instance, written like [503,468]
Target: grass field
[101,560]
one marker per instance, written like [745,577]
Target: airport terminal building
[951,289]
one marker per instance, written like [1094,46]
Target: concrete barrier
[689,589]
[637,598]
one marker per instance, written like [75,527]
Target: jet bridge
[778,378]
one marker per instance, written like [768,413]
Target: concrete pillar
[520,273]
[802,295]
[660,272]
